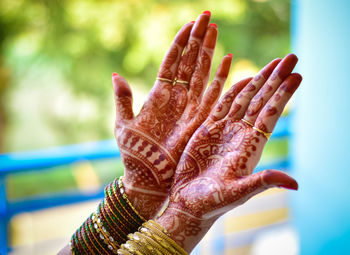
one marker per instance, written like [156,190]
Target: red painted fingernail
[230,55]
[115,74]
[213,25]
[207,13]
[192,21]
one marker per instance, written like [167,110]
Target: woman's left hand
[152,142]
[214,174]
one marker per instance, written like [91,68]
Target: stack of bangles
[107,230]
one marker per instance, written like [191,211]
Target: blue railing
[46,159]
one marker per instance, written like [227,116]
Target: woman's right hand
[214,174]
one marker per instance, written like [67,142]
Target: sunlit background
[56,61]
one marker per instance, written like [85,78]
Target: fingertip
[268,69]
[291,83]
[290,59]
[224,67]
[292,56]
[279,179]
[213,25]
[201,25]
[297,76]
[182,36]
[208,13]
[230,55]
[276,60]
[286,66]
[293,185]
[210,38]
[121,87]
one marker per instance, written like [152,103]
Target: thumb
[258,182]
[123,98]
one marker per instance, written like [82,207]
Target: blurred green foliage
[60,55]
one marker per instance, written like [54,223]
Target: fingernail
[213,25]
[230,55]
[192,21]
[207,13]
[115,74]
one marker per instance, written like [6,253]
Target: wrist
[184,228]
[147,201]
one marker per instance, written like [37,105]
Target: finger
[171,60]
[242,100]
[168,68]
[223,106]
[283,69]
[201,74]
[189,57]
[123,98]
[268,179]
[271,112]
[248,186]
[214,90]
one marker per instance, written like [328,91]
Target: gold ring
[164,79]
[266,134]
[248,122]
[181,82]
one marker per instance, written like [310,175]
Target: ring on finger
[164,79]
[186,84]
[182,82]
[266,134]
[248,122]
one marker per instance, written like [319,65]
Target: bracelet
[151,238]
[105,230]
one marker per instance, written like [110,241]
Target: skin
[152,142]
[214,174]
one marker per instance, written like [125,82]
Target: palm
[217,157]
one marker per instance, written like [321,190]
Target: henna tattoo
[124,108]
[214,173]
[255,106]
[165,69]
[189,58]
[151,143]
[200,76]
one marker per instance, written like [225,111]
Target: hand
[214,174]
[152,142]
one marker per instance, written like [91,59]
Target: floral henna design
[151,143]
[214,173]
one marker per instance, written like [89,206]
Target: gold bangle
[266,134]
[140,239]
[154,246]
[161,240]
[162,233]
[164,79]
[123,252]
[135,248]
